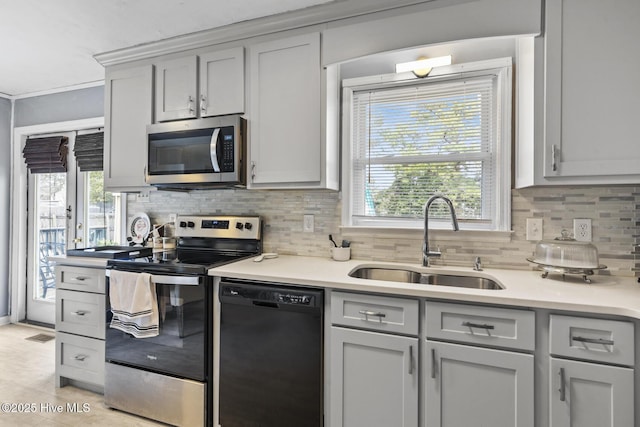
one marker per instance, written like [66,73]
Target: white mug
[341,254]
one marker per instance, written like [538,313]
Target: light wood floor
[27,382]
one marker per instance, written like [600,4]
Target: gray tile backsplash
[613,210]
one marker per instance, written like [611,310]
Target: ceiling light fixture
[422,67]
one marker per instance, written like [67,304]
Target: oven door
[181,348]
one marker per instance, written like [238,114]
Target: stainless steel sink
[410,276]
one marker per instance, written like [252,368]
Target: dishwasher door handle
[265,304]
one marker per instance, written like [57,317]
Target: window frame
[502,69]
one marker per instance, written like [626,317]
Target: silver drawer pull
[563,387]
[368,313]
[592,340]
[80,357]
[478,325]
[80,278]
[79,312]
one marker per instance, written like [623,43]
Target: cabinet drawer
[80,279]
[80,358]
[600,340]
[80,313]
[493,326]
[380,313]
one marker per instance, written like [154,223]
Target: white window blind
[410,142]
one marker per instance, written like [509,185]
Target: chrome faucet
[426,253]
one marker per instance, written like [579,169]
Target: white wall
[5,179]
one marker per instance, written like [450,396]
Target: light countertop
[611,295]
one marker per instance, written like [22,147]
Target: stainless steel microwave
[197,154]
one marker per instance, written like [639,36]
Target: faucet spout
[426,252]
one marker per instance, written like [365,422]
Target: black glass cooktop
[177,266]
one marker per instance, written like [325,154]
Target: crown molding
[315,15]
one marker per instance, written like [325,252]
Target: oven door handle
[171,280]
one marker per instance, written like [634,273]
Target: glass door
[67,210]
[51,207]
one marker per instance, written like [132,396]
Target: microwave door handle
[213,150]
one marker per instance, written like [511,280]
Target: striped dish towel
[134,303]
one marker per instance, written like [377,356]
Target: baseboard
[5,320]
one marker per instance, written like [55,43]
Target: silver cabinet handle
[593,340]
[79,312]
[554,156]
[368,313]
[190,104]
[478,325]
[203,103]
[80,357]
[213,150]
[433,363]
[80,278]
[410,360]
[562,385]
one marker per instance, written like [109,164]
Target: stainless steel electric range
[169,377]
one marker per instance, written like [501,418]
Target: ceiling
[49,45]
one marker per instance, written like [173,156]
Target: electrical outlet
[308,225]
[582,229]
[534,229]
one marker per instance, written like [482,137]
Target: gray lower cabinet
[473,386]
[598,389]
[590,395]
[374,379]
[80,326]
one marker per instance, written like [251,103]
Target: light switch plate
[534,229]
[308,225]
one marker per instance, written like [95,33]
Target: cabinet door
[590,395]
[472,386]
[128,110]
[591,101]
[285,111]
[374,379]
[176,89]
[222,82]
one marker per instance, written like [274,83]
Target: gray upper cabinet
[128,111]
[221,82]
[210,84]
[287,145]
[176,89]
[591,91]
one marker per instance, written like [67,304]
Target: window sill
[436,234]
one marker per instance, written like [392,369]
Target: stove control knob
[239,225]
[183,224]
[248,225]
[191,224]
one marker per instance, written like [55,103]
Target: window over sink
[406,139]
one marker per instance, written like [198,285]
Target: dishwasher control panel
[259,294]
[294,299]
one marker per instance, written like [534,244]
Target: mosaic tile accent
[613,210]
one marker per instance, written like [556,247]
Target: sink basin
[410,276]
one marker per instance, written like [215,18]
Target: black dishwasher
[270,355]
